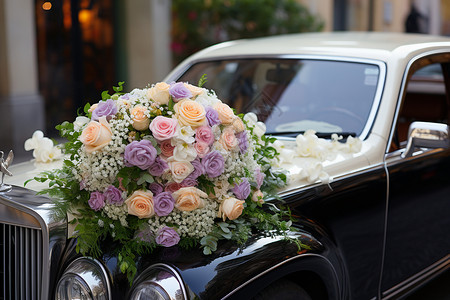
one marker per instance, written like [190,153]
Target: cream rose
[226,114]
[189,198]
[180,169]
[96,135]
[228,139]
[93,107]
[190,113]
[238,125]
[140,204]
[231,208]
[159,93]
[195,90]
[140,120]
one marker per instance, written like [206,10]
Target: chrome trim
[402,90]
[92,272]
[34,212]
[151,275]
[425,275]
[282,263]
[178,72]
[426,135]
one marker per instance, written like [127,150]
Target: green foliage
[201,23]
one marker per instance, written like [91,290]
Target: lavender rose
[213,164]
[242,189]
[163,203]
[212,116]
[155,188]
[259,177]
[167,237]
[198,169]
[113,195]
[189,181]
[242,141]
[179,91]
[106,109]
[141,154]
[159,167]
[97,201]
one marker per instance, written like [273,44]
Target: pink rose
[163,128]
[166,148]
[96,135]
[204,134]
[172,187]
[228,139]
[201,148]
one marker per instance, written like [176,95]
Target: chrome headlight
[160,282]
[85,278]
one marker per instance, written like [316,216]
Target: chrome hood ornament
[4,164]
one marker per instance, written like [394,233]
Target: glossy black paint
[418,219]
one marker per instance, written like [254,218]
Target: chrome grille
[21,254]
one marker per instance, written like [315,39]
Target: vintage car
[378,228]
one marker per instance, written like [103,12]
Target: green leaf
[119,88]
[202,80]
[86,108]
[105,95]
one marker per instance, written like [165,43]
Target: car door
[418,223]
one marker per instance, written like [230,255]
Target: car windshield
[292,95]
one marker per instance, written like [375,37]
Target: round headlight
[85,279]
[159,282]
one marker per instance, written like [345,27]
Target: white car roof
[371,45]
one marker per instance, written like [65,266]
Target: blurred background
[57,55]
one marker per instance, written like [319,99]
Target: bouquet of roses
[166,165]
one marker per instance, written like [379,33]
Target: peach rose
[228,139]
[258,197]
[140,120]
[140,204]
[96,135]
[195,90]
[226,114]
[180,169]
[231,208]
[190,113]
[238,125]
[189,198]
[159,93]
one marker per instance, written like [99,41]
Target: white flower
[34,141]
[43,149]
[80,122]
[184,151]
[47,155]
[185,133]
[207,100]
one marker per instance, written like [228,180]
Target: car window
[292,95]
[424,100]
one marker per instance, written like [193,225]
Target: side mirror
[426,135]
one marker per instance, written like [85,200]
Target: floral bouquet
[166,165]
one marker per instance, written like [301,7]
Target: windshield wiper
[324,135]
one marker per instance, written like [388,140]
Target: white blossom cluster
[196,224]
